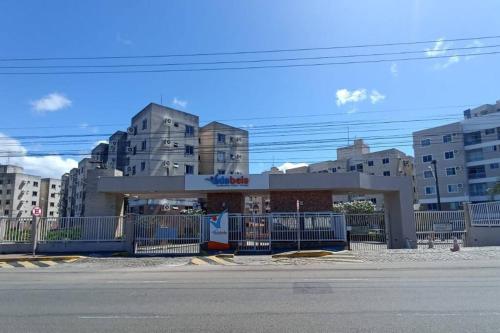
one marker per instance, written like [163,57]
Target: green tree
[354,207]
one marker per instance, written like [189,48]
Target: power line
[197,54]
[215,69]
[247,61]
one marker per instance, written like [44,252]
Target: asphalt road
[340,298]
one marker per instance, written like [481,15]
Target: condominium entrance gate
[185,234]
[367,231]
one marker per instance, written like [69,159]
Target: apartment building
[466,156]
[117,151]
[64,194]
[19,192]
[358,158]
[50,196]
[223,150]
[162,142]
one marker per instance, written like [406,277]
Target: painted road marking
[221,261]
[27,264]
[198,261]
[5,265]
[49,263]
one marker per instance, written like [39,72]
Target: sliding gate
[167,234]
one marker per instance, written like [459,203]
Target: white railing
[15,230]
[439,228]
[485,214]
[65,229]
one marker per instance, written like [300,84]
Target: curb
[225,255]
[303,254]
[50,258]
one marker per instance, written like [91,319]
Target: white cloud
[394,69]
[438,49]
[345,96]
[289,165]
[45,166]
[475,43]
[450,61]
[179,102]
[123,40]
[50,103]
[376,97]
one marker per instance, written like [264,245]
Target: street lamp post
[434,164]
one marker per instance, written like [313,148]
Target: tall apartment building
[117,151]
[467,157]
[50,196]
[358,158]
[64,195]
[19,192]
[223,149]
[162,142]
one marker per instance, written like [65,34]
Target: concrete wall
[98,203]
[312,201]
[218,202]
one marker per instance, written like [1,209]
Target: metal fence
[168,234]
[485,214]
[367,231]
[65,229]
[439,228]
[15,230]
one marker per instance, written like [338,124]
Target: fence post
[3,228]
[129,229]
[34,233]
[467,224]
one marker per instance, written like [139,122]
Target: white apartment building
[358,158]
[20,192]
[467,159]
[50,196]
[162,142]
[223,150]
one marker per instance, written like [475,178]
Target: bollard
[431,242]
[456,246]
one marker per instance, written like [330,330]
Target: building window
[448,155]
[51,213]
[387,173]
[133,170]
[478,189]
[143,166]
[474,155]
[144,124]
[134,151]
[53,186]
[489,131]
[451,171]
[8,191]
[352,168]
[188,150]
[494,166]
[221,138]
[453,188]
[1,182]
[35,184]
[432,206]
[52,195]
[476,172]
[33,203]
[428,174]
[143,145]
[189,169]
[429,190]
[189,131]
[385,160]
[426,158]
[472,138]
[446,138]
[6,212]
[7,202]
[425,142]
[370,163]
[35,193]
[51,204]
[221,156]
[359,167]
[221,172]
[334,170]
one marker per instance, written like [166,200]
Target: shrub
[354,207]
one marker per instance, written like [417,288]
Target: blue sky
[365,93]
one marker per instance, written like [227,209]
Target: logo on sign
[221,180]
[36,211]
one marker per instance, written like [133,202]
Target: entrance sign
[219,231]
[36,211]
[226,182]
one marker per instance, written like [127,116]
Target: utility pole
[434,164]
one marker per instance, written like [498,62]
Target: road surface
[403,297]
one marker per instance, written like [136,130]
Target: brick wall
[234,202]
[314,201]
